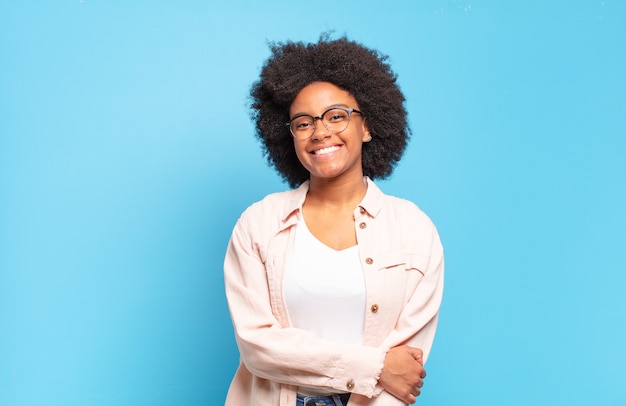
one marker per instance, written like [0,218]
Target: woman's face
[325,154]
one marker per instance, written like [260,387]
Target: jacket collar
[372,202]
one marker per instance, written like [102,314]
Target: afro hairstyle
[362,72]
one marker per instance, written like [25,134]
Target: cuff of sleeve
[362,370]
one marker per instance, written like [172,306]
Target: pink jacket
[402,261]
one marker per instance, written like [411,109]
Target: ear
[367,136]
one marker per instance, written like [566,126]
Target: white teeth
[326,150]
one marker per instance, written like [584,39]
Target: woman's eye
[335,116]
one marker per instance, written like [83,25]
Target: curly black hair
[362,72]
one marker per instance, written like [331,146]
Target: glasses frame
[320,117]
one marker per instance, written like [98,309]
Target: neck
[337,193]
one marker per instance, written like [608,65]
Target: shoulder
[273,204]
[412,227]
[405,211]
[391,207]
[407,219]
[271,213]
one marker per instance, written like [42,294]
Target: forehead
[317,97]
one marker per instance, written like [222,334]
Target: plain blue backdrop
[127,155]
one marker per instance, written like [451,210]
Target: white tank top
[325,289]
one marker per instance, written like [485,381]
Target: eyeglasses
[335,120]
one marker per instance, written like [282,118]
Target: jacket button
[350,385]
[363,225]
[369,261]
[362,210]
[374,308]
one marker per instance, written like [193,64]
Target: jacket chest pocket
[402,272]
[390,285]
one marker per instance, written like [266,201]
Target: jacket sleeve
[281,353]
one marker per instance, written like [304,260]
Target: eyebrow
[332,106]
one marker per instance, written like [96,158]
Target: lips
[326,150]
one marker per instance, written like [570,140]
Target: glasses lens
[336,120]
[302,127]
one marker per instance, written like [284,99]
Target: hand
[403,373]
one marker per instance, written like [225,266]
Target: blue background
[127,154]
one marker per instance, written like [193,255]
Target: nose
[320,131]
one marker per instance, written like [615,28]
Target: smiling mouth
[326,150]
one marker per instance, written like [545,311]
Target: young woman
[334,287]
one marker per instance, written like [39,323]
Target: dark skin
[403,373]
[336,188]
